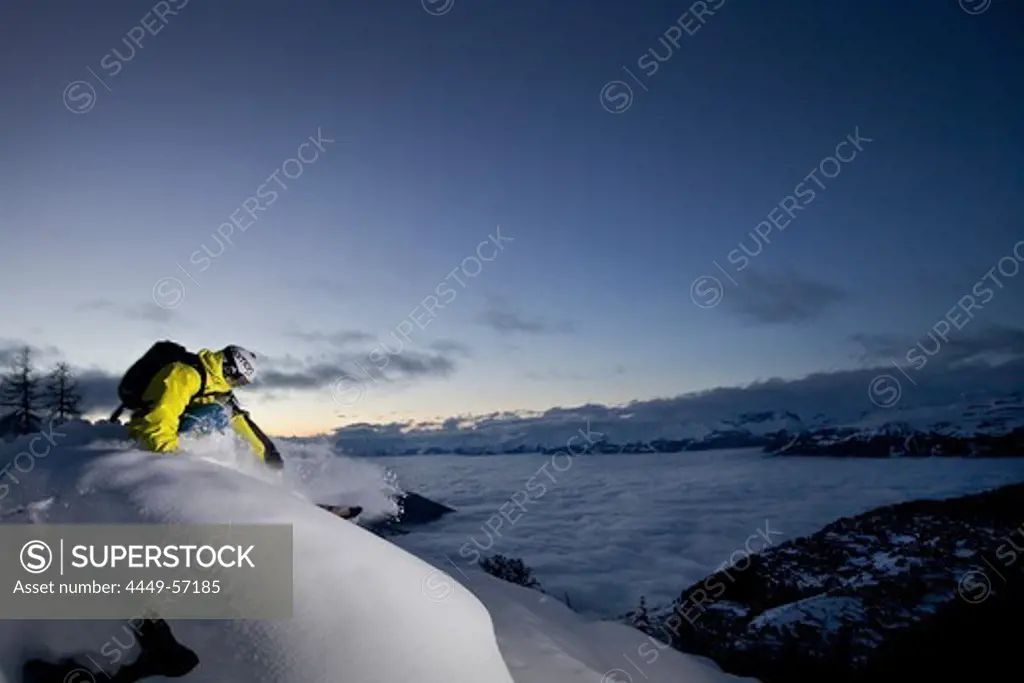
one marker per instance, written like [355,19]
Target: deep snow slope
[543,641]
[365,611]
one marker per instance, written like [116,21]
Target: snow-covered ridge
[964,427]
[362,606]
[994,428]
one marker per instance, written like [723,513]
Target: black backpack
[138,377]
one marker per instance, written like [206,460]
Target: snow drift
[365,611]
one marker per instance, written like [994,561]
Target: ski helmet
[239,365]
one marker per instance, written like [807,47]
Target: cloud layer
[987,364]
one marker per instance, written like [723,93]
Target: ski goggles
[233,374]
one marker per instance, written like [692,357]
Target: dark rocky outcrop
[414,510]
[915,590]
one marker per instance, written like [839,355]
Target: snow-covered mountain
[365,611]
[990,428]
[972,425]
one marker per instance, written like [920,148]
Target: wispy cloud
[983,345]
[501,316]
[340,338]
[438,359]
[557,375]
[9,351]
[10,348]
[782,298]
[450,346]
[141,311]
[410,365]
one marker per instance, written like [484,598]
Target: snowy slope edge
[362,606]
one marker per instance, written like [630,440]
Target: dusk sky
[528,170]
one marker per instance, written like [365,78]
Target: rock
[415,510]
[868,598]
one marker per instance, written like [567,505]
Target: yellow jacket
[172,390]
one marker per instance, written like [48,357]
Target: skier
[173,391]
